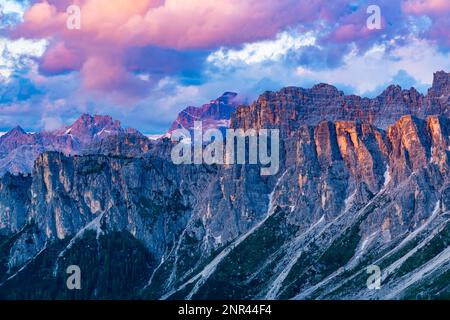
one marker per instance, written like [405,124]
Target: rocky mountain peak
[227,97]
[15,132]
[94,123]
[392,91]
[441,83]
[217,113]
[325,89]
[15,138]
[97,134]
[88,127]
[293,106]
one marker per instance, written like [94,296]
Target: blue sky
[143,61]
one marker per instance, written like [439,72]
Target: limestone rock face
[14,203]
[361,182]
[292,106]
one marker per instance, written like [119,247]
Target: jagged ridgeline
[362,182]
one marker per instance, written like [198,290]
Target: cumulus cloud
[439,12]
[112,28]
[18,54]
[262,51]
[371,72]
[11,12]
[249,31]
[144,60]
[59,59]
[173,23]
[429,7]
[176,24]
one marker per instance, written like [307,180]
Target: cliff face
[348,195]
[14,203]
[335,177]
[291,107]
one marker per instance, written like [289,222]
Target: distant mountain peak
[100,134]
[87,126]
[227,96]
[325,88]
[13,139]
[391,90]
[16,131]
[95,120]
[215,114]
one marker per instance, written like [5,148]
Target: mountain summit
[441,83]
[293,106]
[87,134]
[215,114]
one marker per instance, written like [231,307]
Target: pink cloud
[353,28]
[111,27]
[350,32]
[428,7]
[438,11]
[59,59]
[41,20]
[175,24]
[102,73]
[440,31]
[205,24]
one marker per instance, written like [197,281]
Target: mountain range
[89,134]
[362,182]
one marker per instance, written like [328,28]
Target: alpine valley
[361,182]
